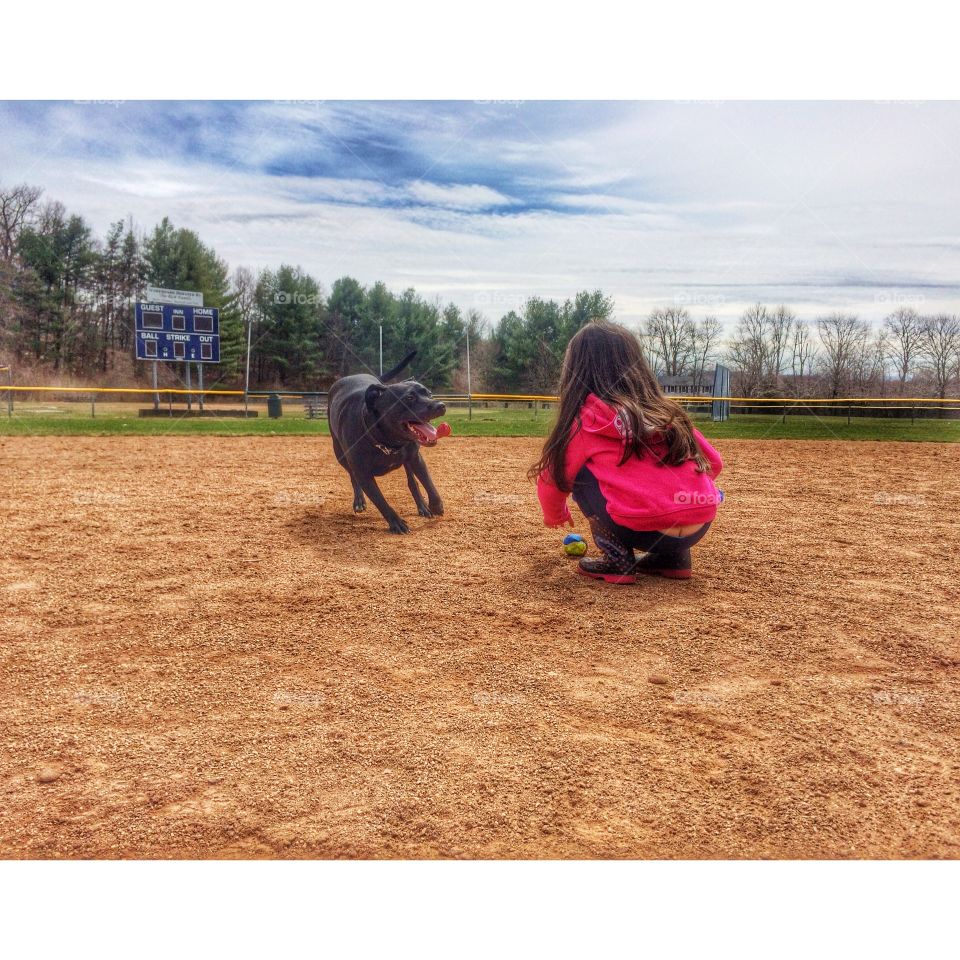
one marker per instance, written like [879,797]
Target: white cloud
[467,196]
[822,206]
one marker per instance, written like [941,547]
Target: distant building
[688,385]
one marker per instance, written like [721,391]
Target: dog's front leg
[359,504]
[395,522]
[423,475]
[422,507]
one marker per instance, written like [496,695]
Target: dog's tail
[393,371]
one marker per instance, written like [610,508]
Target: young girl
[637,468]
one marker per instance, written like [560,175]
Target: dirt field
[205,654]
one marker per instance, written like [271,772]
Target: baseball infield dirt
[206,654]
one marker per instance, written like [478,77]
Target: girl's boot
[617,563]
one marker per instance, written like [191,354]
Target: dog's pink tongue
[426,432]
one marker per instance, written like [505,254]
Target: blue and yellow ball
[574,545]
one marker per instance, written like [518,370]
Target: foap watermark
[312,104]
[297,498]
[500,103]
[698,698]
[887,498]
[502,498]
[97,498]
[494,300]
[299,698]
[698,498]
[685,299]
[116,104]
[898,698]
[98,698]
[90,298]
[898,298]
[494,698]
[294,297]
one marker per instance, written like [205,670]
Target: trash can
[274,406]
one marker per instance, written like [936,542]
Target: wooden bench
[315,407]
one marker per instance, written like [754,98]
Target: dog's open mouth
[425,433]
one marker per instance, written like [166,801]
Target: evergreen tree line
[67,296]
[66,315]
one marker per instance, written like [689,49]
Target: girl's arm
[553,500]
[715,462]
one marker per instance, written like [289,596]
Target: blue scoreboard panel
[167,332]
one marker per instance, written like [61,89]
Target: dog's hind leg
[422,507]
[359,504]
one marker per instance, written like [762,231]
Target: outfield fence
[849,407]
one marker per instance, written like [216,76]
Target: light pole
[469,387]
[381,349]
[246,381]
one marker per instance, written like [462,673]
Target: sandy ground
[206,654]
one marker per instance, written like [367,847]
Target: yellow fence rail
[777,401]
[86,391]
[478,397]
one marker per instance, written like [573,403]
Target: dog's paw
[424,512]
[399,525]
[436,508]
[359,506]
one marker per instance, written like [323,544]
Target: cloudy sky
[712,205]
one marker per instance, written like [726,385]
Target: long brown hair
[605,359]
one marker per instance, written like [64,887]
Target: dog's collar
[382,447]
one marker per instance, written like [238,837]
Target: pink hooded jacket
[642,493]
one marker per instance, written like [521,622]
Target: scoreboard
[167,331]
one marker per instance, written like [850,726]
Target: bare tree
[868,364]
[649,344]
[706,339]
[781,323]
[939,348]
[904,336]
[243,285]
[16,209]
[882,350]
[843,336]
[749,350]
[669,340]
[803,355]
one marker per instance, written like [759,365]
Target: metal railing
[776,405]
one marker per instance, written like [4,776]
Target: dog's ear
[374,392]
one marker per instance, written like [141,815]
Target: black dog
[378,427]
